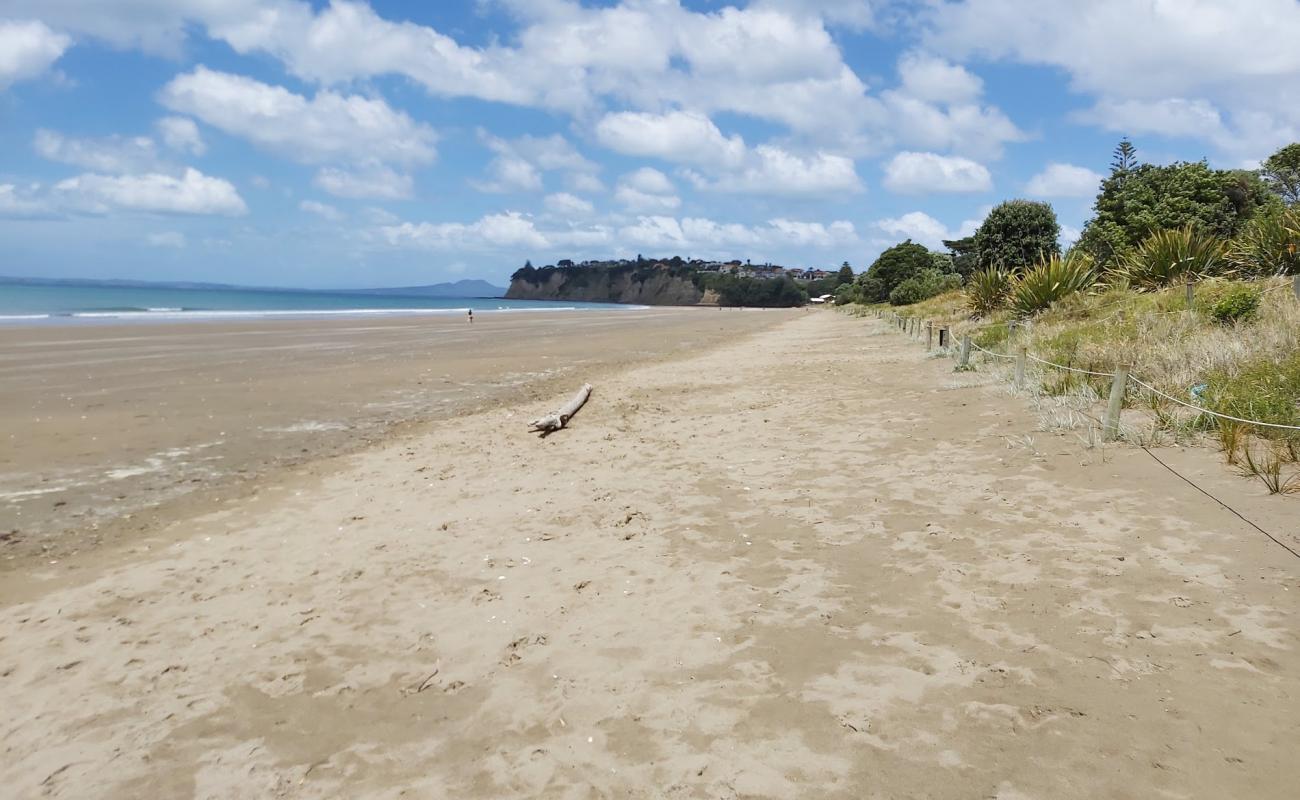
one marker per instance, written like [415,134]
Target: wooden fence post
[964,362]
[1191,296]
[943,337]
[1295,286]
[1021,358]
[929,336]
[1110,426]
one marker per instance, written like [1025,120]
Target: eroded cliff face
[595,285]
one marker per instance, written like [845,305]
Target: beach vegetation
[1171,256]
[1050,281]
[923,285]
[987,290]
[895,265]
[1138,199]
[1268,245]
[1281,173]
[1016,235]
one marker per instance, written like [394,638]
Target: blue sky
[337,144]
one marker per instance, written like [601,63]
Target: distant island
[468,288]
[675,281]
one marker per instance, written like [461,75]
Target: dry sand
[155,420]
[812,563]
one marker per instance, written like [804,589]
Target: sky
[349,144]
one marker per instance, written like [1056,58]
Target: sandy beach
[797,558]
[115,429]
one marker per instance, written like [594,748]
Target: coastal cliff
[623,284]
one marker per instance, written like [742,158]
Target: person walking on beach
[471,316]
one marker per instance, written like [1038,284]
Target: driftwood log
[558,419]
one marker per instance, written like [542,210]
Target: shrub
[1268,245]
[1171,256]
[1016,235]
[987,290]
[1050,281]
[1238,304]
[923,286]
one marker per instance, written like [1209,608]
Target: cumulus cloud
[28,49]
[510,231]
[933,79]
[323,210]
[567,205]
[21,203]
[924,229]
[916,173]
[191,193]
[181,134]
[324,128]
[519,163]
[772,170]
[515,233]
[372,180]
[1169,68]
[679,136]
[1064,180]
[647,190]
[106,154]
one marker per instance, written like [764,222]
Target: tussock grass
[1214,354]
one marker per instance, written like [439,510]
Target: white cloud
[932,79]
[174,239]
[510,174]
[510,230]
[1226,73]
[566,205]
[181,135]
[852,14]
[192,193]
[323,210]
[514,233]
[365,181]
[325,128]
[678,136]
[20,203]
[705,236]
[108,154]
[924,229]
[1069,235]
[1064,180]
[647,190]
[28,49]
[519,163]
[916,173]
[774,171]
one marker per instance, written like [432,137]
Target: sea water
[24,303]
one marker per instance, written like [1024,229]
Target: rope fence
[1120,381]
[1120,378]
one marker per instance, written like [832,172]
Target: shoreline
[156,422]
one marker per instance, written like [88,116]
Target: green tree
[1124,159]
[1016,235]
[894,266]
[1152,198]
[846,273]
[1281,173]
[965,258]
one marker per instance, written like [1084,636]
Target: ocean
[53,304]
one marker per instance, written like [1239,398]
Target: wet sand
[100,422]
[812,563]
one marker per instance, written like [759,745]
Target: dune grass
[1236,351]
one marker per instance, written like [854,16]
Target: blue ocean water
[22,304]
